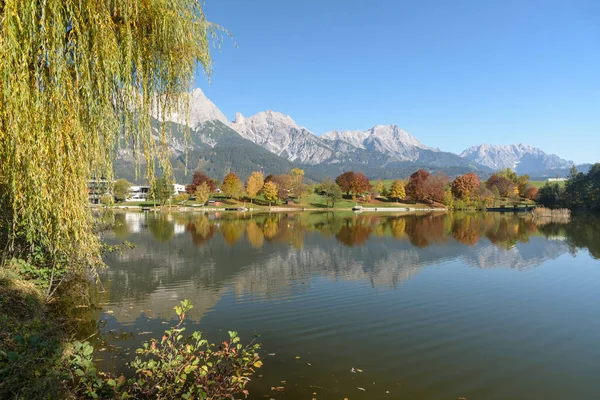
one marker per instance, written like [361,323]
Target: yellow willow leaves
[78,80]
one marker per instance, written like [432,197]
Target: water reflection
[326,286]
[269,254]
[352,230]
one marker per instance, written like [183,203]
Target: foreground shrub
[190,367]
[175,366]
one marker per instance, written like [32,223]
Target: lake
[370,306]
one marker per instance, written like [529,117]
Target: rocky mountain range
[274,142]
[519,157]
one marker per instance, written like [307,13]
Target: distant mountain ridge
[519,157]
[273,142]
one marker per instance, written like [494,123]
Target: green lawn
[539,184]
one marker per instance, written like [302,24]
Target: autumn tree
[254,184]
[434,187]
[76,77]
[284,183]
[202,193]
[198,178]
[465,186]
[270,192]
[360,183]
[416,185]
[380,187]
[232,186]
[354,183]
[345,180]
[397,190]
[299,188]
[77,80]
[531,193]
[502,184]
[521,182]
[121,189]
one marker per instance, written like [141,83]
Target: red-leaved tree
[345,180]
[197,180]
[360,183]
[416,185]
[531,193]
[434,187]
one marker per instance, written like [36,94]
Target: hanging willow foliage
[79,80]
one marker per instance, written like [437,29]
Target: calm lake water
[435,306]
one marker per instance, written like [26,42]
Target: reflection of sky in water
[430,306]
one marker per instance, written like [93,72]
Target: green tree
[331,190]
[202,193]
[76,76]
[161,190]
[397,190]
[232,186]
[121,189]
[551,195]
[334,195]
[271,192]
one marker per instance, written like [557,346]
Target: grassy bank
[31,342]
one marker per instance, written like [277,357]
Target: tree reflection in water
[502,230]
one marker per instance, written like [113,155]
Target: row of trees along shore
[464,192]
[579,191]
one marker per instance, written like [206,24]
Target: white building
[142,193]
[178,189]
[138,193]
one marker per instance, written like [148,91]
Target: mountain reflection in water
[429,306]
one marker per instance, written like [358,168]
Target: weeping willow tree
[80,79]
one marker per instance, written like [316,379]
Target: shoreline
[268,209]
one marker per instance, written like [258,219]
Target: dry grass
[546,215]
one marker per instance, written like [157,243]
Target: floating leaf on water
[271,354]
[309,364]
[297,357]
[277,388]
[144,333]
[363,389]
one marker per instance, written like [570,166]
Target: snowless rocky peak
[355,138]
[201,110]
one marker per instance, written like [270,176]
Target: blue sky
[452,73]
